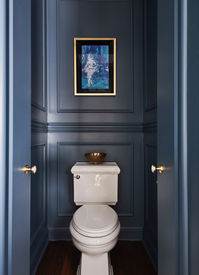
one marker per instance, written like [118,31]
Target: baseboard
[152,253]
[37,249]
[131,233]
[126,233]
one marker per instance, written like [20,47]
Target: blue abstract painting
[95,67]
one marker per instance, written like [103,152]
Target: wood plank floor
[128,258]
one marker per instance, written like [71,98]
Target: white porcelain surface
[110,270]
[94,259]
[87,167]
[94,244]
[97,220]
[98,265]
[95,226]
[95,184]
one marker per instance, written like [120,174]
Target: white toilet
[95,226]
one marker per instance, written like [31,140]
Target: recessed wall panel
[94,19]
[115,152]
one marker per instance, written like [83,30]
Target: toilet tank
[95,184]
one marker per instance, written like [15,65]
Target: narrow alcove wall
[113,125]
[38,221]
[150,128]
[64,127]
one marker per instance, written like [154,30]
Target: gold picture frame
[109,73]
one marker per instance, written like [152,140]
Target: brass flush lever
[160,169]
[28,169]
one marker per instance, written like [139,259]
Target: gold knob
[28,169]
[77,177]
[160,169]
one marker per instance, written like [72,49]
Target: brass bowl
[95,158]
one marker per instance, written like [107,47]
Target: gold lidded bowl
[95,158]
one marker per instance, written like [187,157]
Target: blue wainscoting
[39,231]
[119,19]
[77,125]
[150,191]
[67,148]
[150,128]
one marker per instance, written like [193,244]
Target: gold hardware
[77,177]
[95,158]
[28,169]
[75,67]
[160,169]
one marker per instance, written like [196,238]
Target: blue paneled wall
[64,127]
[77,125]
[150,122]
[39,231]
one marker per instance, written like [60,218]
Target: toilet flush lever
[77,177]
[160,169]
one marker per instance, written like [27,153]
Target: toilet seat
[95,220]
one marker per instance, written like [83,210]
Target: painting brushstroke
[95,67]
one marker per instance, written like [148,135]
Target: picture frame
[95,66]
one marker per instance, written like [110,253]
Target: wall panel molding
[39,127]
[58,58]
[150,127]
[150,217]
[150,59]
[148,161]
[80,124]
[43,183]
[42,106]
[130,212]
[38,249]
[39,232]
[59,127]
[95,127]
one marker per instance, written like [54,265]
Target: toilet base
[98,265]
[110,270]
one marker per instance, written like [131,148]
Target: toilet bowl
[95,230]
[95,226]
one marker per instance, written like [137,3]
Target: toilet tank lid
[86,167]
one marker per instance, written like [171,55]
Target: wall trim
[130,212]
[57,127]
[39,238]
[150,127]
[43,105]
[38,247]
[38,106]
[44,217]
[151,252]
[126,233]
[147,106]
[76,110]
[137,127]
[146,179]
[40,127]
[94,127]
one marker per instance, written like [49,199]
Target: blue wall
[123,126]
[193,135]
[77,125]
[150,122]
[39,232]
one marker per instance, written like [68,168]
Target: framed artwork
[95,66]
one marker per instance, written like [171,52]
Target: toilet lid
[95,220]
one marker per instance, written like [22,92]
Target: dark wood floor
[128,258]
